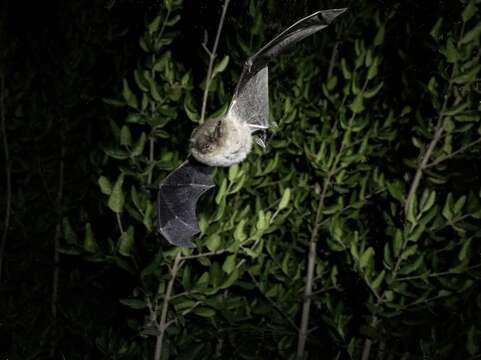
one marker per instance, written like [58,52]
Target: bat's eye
[205,146]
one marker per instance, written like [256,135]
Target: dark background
[60,59]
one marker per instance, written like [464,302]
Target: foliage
[356,231]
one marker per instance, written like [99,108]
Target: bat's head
[207,138]
[223,141]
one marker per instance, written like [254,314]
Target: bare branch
[212,253]
[212,56]
[453,154]
[8,183]
[163,316]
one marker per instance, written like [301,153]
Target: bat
[228,139]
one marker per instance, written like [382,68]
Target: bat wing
[177,199]
[250,102]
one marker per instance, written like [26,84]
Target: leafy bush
[354,235]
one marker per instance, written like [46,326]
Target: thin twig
[58,230]
[162,326]
[442,273]
[58,234]
[453,154]
[332,61]
[436,137]
[279,310]
[311,260]
[311,257]
[8,183]
[366,351]
[212,253]
[151,159]
[212,56]
[119,222]
[427,155]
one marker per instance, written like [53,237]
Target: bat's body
[227,140]
[231,143]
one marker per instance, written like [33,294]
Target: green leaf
[464,252]
[140,81]
[286,196]
[90,245]
[398,242]
[371,93]
[229,264]
[469,11]
[154,25]
[389,295]
[379,38]
[366,257]
[221,66]
[429,202]
[418,231]
[331,84]
[68,233]
[457,109]
[468,76]
[147,220]
[129,96]
[448,207]
[215,274]
[233,171]
[396,189]
[435,30]
[411,250]
[125,136]
[458,206]
[154,92]
[378,280]
[231,279]
[105,185]
[204,312]
[190,110]
[134,303]
[139,145]
[262,223]
[117,154]
[357,105]
[239,233]
[451,52]
[472,35]
[222,192]
[114,102]
[373,69]
[408,269]
[117,199]
[213,242]
[411,210]
[126,241]
[345,70]
[203,281]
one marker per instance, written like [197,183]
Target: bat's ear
[218,130]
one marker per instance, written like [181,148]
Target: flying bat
[227,140]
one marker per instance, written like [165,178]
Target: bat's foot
[260,140]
